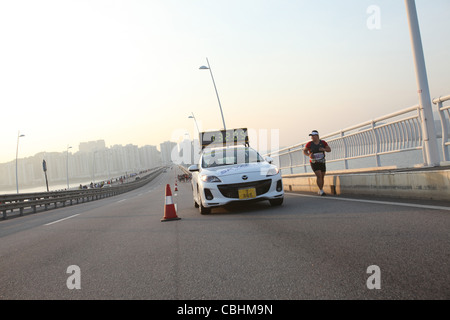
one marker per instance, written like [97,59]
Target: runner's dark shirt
[316,155]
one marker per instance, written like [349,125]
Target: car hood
[236,169]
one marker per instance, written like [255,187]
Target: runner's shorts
[318,166]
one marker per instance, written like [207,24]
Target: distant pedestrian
[315,150]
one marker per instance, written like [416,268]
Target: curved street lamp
[195,120]
[215,88]
[93,166]
[17,153]
[67,166]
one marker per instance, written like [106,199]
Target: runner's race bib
[317,157]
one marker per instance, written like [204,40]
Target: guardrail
[445,120]
[394,133]
[20,202]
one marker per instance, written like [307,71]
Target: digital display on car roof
[224,137]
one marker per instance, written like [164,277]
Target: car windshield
[229,156]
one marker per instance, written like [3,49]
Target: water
[53,187]
[57,187]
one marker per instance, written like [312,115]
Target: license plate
[247,193]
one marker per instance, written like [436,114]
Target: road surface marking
[121,200]
[47,224]
[376,202]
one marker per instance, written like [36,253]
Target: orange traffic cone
[169,208]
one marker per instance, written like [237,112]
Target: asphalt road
[310,248]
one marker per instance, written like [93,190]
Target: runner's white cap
[314,133]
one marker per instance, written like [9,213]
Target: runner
[315,150]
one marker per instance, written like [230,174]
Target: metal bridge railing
[444,115]
[391,134]
[49,200]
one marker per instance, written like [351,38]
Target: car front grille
[232,190]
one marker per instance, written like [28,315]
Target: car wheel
[201,208]
[276,202]
[195,197]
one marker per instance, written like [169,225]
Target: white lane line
[376,202]
[47,224]
[121,200]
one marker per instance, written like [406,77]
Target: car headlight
[206,178]
[272,171]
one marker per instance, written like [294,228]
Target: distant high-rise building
[150,156]
[93,162]
[166,151]
[91,146]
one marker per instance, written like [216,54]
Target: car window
[229,156]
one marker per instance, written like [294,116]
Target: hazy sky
[128,71]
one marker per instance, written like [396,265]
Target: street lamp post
[17,153]
[195,120]
[426,113]
[93,167]
[108,161]
[194,158]
[67,166]
[215,88]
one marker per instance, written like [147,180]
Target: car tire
[276,202]
[195,201]
[201,208]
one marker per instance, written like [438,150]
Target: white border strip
[47,224]
[375,202]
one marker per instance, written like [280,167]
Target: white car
[233,174]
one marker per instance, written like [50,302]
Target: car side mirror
[193,168]
[269,160]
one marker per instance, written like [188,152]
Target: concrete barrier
[410,184]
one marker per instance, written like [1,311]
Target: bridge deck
[310,248]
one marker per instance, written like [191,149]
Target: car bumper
[219,194]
